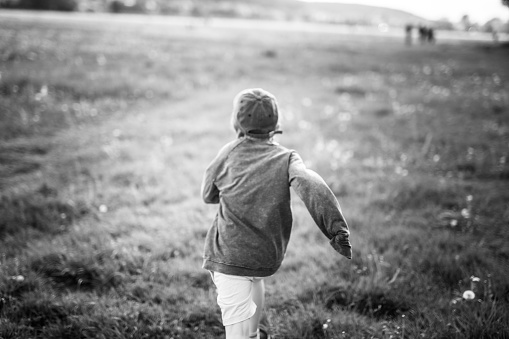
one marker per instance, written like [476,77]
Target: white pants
[234,297]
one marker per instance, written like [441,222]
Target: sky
[478,11]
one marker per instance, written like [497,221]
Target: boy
[250,179]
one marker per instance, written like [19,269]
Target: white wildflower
[468,295]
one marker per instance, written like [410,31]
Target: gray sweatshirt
[250,179]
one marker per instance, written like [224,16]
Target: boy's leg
[235,298]
[259,299]
[238,330]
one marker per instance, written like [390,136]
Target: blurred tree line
[224,8]
[51,5]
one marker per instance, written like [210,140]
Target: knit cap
[255,113]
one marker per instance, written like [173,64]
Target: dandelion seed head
[304,125]
[166,140]
[468,295]
[455,301]
[116,133]
[307,102]
[18,278]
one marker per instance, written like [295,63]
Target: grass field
[106,129]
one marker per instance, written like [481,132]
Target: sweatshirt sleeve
[321,204]
[209,191]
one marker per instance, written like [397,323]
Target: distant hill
[361,14]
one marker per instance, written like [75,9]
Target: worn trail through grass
[107,131]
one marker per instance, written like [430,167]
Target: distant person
[250,179]
[408,34]
[423,32]
[494,35]
[430,35]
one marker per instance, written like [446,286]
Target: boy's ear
[237,130]
[235,124]
[236,127]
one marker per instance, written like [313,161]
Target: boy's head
[255,113]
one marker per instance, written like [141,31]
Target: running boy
[250,179]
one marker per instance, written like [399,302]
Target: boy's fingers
[347,252]
[343,250]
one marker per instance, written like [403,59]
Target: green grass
[106,130]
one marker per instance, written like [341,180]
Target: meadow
[106,129]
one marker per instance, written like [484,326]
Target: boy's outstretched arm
[321,204]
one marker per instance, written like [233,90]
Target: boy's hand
[343,249]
